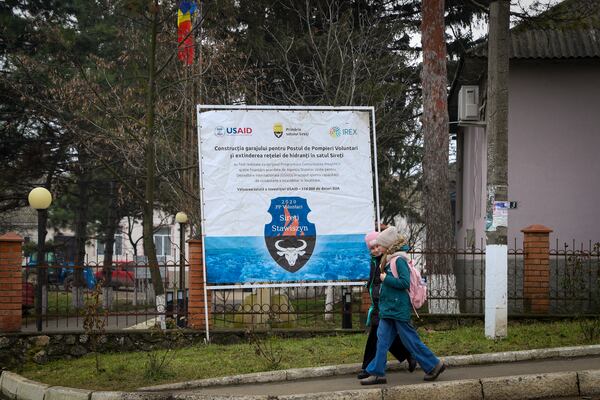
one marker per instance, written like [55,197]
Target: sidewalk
[401,378]
[545,373]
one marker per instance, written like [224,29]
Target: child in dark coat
[395,312]
[373,286]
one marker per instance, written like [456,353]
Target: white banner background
[251,156]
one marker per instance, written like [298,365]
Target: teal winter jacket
[394,302]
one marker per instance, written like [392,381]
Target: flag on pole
[185,51]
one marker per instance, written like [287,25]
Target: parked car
[62,273]
[54,274]
[120,276]
[68,277]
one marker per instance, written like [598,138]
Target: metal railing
[574,289]
[575,278]
[316,307]
[126,301]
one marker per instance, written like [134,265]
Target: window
[162,241]
[117,246]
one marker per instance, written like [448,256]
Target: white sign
[287,193]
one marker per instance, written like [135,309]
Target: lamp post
[40,199]
[182,219]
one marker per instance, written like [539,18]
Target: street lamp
[40,199]
[182,219]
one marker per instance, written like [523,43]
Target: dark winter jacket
[373,286]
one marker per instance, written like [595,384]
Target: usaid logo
[336,132]
[233,131]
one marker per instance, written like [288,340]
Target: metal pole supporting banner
[378,216]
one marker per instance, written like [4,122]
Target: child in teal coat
[395,311]
[373,285]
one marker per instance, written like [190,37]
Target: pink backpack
[418,287]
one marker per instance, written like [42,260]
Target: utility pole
[496,252]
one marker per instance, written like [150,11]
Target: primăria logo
[278,130]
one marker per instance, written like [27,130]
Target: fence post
[11,284]
[536,269]
[196,312]
[365,304]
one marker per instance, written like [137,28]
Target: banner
[287,194]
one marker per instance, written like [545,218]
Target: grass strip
[127,371]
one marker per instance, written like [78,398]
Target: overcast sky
[528,3]
[531,7]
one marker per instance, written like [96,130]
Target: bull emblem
[291,253]
[290,237]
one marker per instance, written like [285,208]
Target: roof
[570,30]
[550,43]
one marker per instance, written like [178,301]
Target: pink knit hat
[370,238]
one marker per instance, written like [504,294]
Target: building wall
[127,253]
[554,140]
[25,224]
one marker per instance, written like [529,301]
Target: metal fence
[575,278]
[126,301]
[316,307]
[574,289]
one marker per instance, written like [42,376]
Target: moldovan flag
[185,50]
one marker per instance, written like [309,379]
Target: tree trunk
[436,193]
[150,165]
[109,234]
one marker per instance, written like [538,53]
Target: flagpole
[197,99]
[196,90]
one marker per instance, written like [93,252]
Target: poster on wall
[287,193]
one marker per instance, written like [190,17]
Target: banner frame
[206,107]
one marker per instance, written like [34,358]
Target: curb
[535,386]
[345,369]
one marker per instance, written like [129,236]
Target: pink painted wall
[554,147]
[554,153]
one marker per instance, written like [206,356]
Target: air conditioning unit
[468,103]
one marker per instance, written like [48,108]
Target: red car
[120,276]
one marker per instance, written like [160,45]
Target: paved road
[349,382]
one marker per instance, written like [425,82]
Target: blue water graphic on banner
[245,259]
